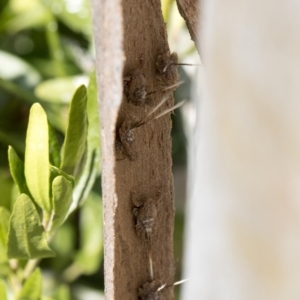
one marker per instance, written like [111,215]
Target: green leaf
[18,71]
[59,90]
[54,148]
[4,224]
[37,172]
[62,198]
[17,171]
[77,17]
[36,16]
[56,172]
[63,293]
[32,288]
[67,233]
[91,237]
[3,295]
[92,166]
[75,141]
[6,188]
[4,270]
[27,238]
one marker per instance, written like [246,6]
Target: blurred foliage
[46,52]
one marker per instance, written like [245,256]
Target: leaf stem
[13,276]
[30,266]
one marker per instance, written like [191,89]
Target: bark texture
[190,10]
[133,34]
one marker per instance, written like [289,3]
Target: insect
[166,67]
[125,133]
[151,289]
[124,141]
[145,212]
[135,87]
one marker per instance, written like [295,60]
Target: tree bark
[129,37]
[190,10]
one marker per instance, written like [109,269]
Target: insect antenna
[170,87]
[178,64]
[173,284]
[154,109]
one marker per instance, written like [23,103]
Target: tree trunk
[130,36]
[190,10]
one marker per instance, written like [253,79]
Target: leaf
[75,141]
[32,287]
[63,293]
[3,295]
[54,148]
[27,238]
[4,270]
[92,166]
[18,71]
[6,188]
[4,224]
[62,198]
[37,172]
[59,90]
[56,172]
[91,239]
[17,171]
[35,16]
[76,17]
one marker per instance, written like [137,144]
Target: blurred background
[46,52]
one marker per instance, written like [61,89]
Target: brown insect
[151,289]
[135,87]
[167,67]
[145,212]
[125,133]
[124,141]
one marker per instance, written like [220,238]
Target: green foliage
[62,198]
[32,289]
[45,54]
[63,293]
[4,223]
[27,238]
[92,165]
[75,141]
[47,192]
[89,254]
[17,171]
[2,290]
[37,170]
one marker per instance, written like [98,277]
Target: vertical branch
[108,33]
[190,10]
[145,165]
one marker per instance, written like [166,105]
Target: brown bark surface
[190,10]
[136,42]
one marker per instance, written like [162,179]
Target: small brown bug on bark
[135,87]
[151,289]
[166,68]
[125,133]
[145,212]
[124,141]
